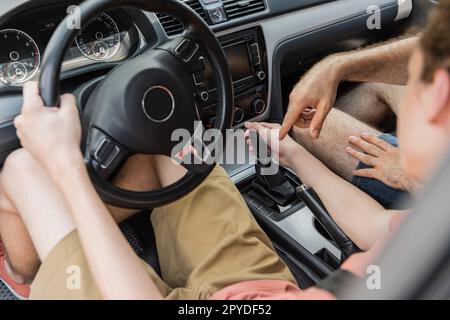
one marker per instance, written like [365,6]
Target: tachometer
[19,56]
[100,39]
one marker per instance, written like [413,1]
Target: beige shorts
[206,241]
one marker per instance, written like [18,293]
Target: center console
[300,228]
[246,54]
[295,218]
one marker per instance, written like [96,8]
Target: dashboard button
[261,75]
[216,14]
[199,78]
[239,115]
[204,96]
[186,50]
[256,56]
[106,152]
[258,105]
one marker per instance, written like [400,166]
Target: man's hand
[384,160]
[51,135]
[313,97]
[283,151]
[387,63]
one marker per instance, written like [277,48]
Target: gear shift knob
[276,186]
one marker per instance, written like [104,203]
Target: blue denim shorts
[388,197]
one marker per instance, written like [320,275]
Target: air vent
[241,8]
[172,26]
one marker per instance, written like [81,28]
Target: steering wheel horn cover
[162,101]
[118,105]
[138,104]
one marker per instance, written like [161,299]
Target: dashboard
[258,36]
[110,37]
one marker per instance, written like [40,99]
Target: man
[424,135]
[205,252]
[356,118]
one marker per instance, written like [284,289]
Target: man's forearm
[385,63]
[357,214]
[118,272]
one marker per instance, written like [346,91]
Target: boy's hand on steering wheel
[51,135]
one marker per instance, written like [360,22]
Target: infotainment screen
[238,62]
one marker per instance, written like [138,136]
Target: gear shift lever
[275,187]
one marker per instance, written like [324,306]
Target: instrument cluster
[109,37]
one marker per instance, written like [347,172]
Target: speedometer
[100,39]
[19,56]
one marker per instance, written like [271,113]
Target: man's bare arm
[387,63]
[317,90]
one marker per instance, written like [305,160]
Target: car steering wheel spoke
[188,51]
[104,155]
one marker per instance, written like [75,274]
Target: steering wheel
[138,105]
